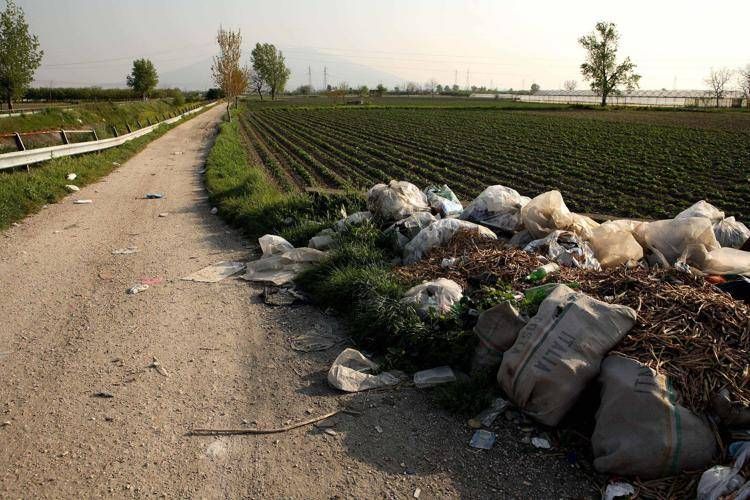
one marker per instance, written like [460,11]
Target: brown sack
[559,351]
[641,429]
[497,329]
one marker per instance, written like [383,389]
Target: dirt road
[70,331]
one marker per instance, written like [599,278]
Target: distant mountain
[198,75]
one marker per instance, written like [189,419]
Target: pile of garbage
[634,305]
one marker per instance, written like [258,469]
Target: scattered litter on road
[437,296]
[417,493]
[539,442]
[177,153]
[125,251]
[214,211]
[116,164]
[483,440]
[83,202]
[72,188]
[280,269]
[137,289]
[313,343]
[238,432]
[151,281]
[281,296]
[488,416]
[216,272]
[103,394]
[330,432]
[433,377]
[379,429]
[154,196]
[156,365]
[71,176]
[164,214]
[618,490]
[106,275]
[349,373]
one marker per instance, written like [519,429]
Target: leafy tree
[19,53]
[380,89]
[270,65]
[439,88]
[143,78]
[601,67]
[214,94]
[228,75]
[717,82]
[534,88]
[455,87]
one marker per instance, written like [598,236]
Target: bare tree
[227,73]
[257,83]
[570,85]
[743,80]
[717,83]
[600,66]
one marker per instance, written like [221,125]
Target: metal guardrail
[21,158]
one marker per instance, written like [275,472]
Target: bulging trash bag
[436,296]
[498,207]
[272,245]
[726,482]
[614,246]
[350,372]
[702,209]
[548,212]
[283,268]
[497,329]
[719,261]
[438,234]
[443,201]
[396,201]
[405,230]
[559,351]
[567,249]
[641,428]
[355,219]
[731,233]
[669,238]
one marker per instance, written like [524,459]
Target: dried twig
[238,432]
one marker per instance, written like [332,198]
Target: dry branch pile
[687,329]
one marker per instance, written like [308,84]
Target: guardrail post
[19,142]
[127,126]
[114,130]
[138,122]
[64,137]
[96,136]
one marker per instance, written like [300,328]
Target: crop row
[628,169]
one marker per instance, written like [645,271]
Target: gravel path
[70,331]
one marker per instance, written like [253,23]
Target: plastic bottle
[540,273]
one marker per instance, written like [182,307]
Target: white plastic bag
[548,212]
[433,296]
[731,233]
[396,201]
[498,207]
[669,238]
[701,209]
[615,246]
[721,261]
[438,234]
[283,268]
[355,219]
[271,244]
[720,482]
[349,373]
[443,201]
[405,230]
[567,249]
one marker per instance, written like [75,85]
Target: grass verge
[23,193]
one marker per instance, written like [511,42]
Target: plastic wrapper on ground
[443,201]
[350,372]
[271,244]
[567,249]
[283,268]
[436,296]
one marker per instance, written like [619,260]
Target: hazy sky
[504,43]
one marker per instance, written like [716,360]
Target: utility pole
[467,79]
[325,77]
[309,78]
[455,78]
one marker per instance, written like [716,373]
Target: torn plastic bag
[355,219]
[350,373]
[497,329]
[721,261]
[567,249]
[395,201]
[547,213]
[405,230]
[731,233]
[433,296]
[559,351]
[283,268]
[615,246]
[641,428]
[443,201]
[438,234]
[521,239]
[324,240]
[720,482]
[498,207]
[702,209]
[669,238]
[273,245]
